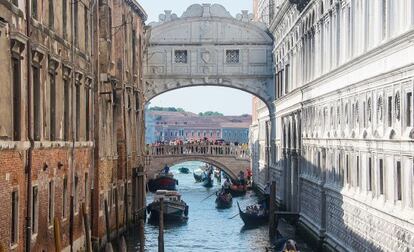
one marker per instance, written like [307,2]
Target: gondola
[198,177]
[224,200]
[175,209]
[184,170]
[162,182]
[251,219]
[238,190]
[207,181]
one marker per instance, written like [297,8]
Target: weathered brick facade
[65,115]
[120,115]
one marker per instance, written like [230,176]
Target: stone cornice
[137,8]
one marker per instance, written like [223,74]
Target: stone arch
[206,46]
[235,86]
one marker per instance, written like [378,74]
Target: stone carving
[345,218]
[199,26]
[244,16]
[167,16]
[206,10]
[205,56]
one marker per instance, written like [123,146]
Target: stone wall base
[311,238]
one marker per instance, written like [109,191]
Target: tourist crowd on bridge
[198,146]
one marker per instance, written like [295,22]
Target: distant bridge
[230,159]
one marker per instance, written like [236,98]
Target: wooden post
[141,236]
[116,213]
[71,221]
[87,229]
[272,222]
[126,204]
[161,227]
[108,232]
[58,240]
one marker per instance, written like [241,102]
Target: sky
[200,99]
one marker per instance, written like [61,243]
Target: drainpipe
[124,108]
[29,132]
[72,152]
[92,129]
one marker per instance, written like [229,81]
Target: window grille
[232,56]
[181,56]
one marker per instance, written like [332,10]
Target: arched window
[357,112]
[369,109]
[346,114]
[379,109]
[397,104]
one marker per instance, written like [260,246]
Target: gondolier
[226,185]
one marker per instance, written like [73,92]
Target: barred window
[232,56]
[181,56]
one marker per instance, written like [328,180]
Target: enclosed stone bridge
[230,159]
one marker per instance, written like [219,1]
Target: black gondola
[252,219]
[208,181]
[184,170]
[198,177]
[224,200]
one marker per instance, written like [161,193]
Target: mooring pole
[58,239]
[161,227]
[272,222]
[87,228]
[141,236]
[117,214]
[71,221]
[108,233]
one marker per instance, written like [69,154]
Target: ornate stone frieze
[356,226]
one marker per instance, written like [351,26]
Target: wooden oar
[209,196]
[234,216]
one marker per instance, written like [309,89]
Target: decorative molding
[78,78]
[38,53]
[66,71]
[17,42]
[53,64]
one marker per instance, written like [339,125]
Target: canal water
[207,228]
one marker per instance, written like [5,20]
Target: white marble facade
[207,46]
[344,156]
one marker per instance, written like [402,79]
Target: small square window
[232,56]
[181,56]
